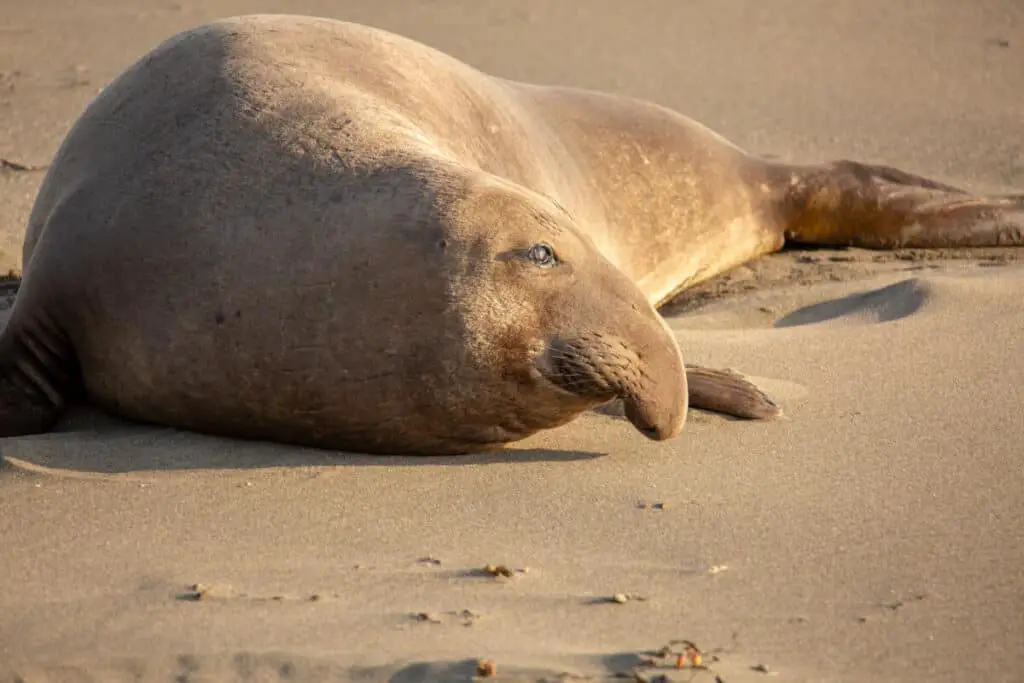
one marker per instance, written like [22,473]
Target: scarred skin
[314,232]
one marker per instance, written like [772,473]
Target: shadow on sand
[90,441]
[285,666]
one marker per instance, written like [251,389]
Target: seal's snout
[652,432]
[658,408]
[647,375]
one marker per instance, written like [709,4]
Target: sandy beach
[875,532]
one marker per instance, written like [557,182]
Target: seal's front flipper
[37,374]
[847,203]
[728,392]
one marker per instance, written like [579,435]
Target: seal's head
[563,328]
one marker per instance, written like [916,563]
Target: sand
[874,533]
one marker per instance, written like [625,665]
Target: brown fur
[313,232]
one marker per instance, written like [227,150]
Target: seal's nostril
[650,432]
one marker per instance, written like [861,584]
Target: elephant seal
[315,232]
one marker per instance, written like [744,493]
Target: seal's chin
[635,415]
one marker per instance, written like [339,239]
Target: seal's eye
[542,255]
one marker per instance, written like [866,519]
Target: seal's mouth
[635,415]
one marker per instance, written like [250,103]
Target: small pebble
[498,570]
[424,616]
[486,668]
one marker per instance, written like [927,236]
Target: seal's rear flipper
[847,203]
[728,392]
[37,375]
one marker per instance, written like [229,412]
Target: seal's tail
[847,203]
